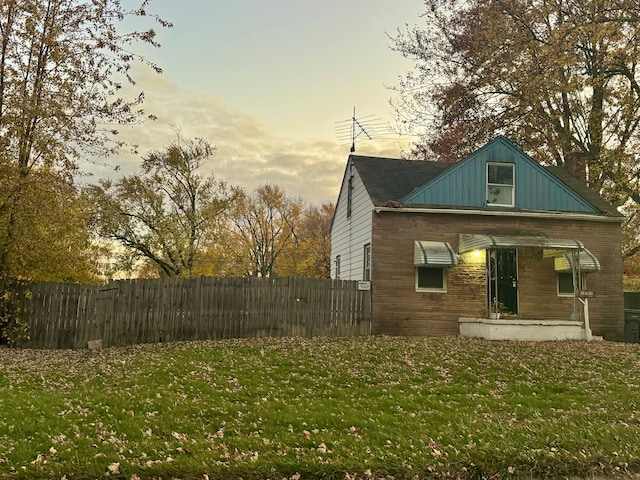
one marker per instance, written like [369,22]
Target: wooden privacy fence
[129,312]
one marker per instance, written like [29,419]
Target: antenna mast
[353,128]
[356,126]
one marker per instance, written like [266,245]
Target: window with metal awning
[433,254]
[586,262]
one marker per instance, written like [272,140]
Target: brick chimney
[576,163]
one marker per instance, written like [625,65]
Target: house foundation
[521,329]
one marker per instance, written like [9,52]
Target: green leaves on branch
[44,229]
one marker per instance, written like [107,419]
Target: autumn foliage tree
[169,213]
[556,76]
[309,255]
[62,66]
[262,227]
[53,230]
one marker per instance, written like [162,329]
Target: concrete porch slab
[521,329]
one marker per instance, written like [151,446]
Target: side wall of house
[349,235]
[399,310]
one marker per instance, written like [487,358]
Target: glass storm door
[502,285]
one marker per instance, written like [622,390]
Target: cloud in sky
[266,82]
[248,152]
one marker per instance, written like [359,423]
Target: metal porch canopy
[553,247]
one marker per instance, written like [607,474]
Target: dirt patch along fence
[129,312]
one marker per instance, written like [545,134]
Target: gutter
[502,213]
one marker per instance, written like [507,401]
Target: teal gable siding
[464,183]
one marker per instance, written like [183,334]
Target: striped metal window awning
[552,246]
[433,254]
[587,262]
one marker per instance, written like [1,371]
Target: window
[338,267]
[500,184]
[565,284]
[366,273]
[431,279]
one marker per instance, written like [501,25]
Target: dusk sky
[266,82]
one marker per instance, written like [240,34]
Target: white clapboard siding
[350,235]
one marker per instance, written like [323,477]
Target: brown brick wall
[399,310]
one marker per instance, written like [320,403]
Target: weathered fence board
[126,312]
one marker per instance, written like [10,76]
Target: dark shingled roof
[578,186]
[391,178]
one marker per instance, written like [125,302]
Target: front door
[502,266]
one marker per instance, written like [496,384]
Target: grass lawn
[330,408]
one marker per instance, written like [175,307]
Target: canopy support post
[577,285]
[587,329]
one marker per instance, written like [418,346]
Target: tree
[169,213]
[62,66]
[556,76]
[52,237]
[262,227]
[309,256]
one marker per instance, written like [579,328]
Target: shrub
[14,329]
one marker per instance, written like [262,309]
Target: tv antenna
[354,128]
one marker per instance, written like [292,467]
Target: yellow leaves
[183,437]
[40,458]
[114,468]
[49,216]
[271,234]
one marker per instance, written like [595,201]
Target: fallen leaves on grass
[392,406]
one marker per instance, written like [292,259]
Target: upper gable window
[500,184]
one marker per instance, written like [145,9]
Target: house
[449,248]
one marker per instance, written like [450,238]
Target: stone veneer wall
[399,310]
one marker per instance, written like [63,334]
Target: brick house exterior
[398,309]
[380,238]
